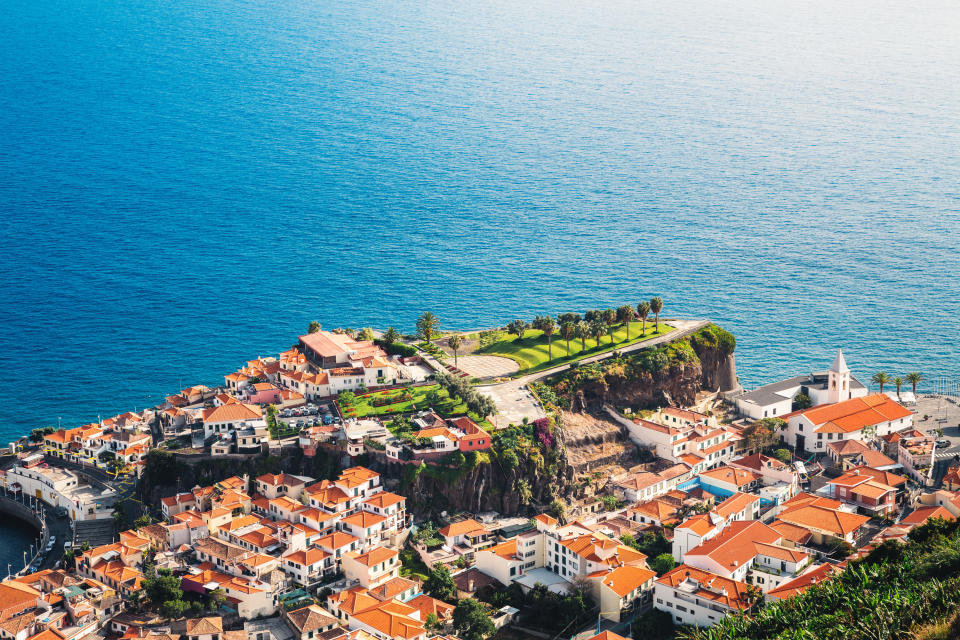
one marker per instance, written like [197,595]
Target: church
[827,387]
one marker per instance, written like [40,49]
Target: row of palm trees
[882,379]
[593,324]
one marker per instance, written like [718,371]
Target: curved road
[514,401]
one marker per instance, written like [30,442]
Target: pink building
[263,393]
[474,438]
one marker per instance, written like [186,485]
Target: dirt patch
[597,445]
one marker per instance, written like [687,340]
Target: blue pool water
[185,185]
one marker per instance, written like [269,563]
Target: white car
[67,545]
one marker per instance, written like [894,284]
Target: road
[514,401]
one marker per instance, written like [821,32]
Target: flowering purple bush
[541,429]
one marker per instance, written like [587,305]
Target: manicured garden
[394,402]
[532,352]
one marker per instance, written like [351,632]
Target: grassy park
[531,353]
[395,402]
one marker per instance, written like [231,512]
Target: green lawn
[531,352]
[363,405]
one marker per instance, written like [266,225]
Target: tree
[365,334]
[440,585]
[643,310]
[582,331]
[471,620]
[558,509]
[174,608]
[663,563]
[346,397]
[914,378]
[610,503]
[432,622]
[142,521]
[162,588]
[625,315]
[428,325]
[572,318]
[597,329]
[898,383]
[517,327]
[548,326]
[390,336]
[783,455]
[610,319]
[567,331]
[881,379]
[655,624]
[656,306]
[217,597]
[455,342]
[801,401]
[314,327]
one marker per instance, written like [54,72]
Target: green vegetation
[440,585]
[783,455]
[888,595]
[650,544]
[714,337]
[314,327]
[407,400]
[428,326]
[880,378]
[533,352]
[411,566]
[662,563]
[653,625]
[471,621]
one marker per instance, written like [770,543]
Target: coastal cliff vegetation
[898,591]
[672,373]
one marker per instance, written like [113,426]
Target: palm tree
[314,327]
[548,326]
[390,336]
[656,306]
[643,310]
[597,327]
[454,342]
[898,381]
[582,331]
[914,378]
[625,315]
[568,330]
[428,325]
[881,379]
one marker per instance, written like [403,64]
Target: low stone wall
[11,507]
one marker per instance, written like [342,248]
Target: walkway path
[514,400]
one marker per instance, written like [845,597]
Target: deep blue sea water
[185,185]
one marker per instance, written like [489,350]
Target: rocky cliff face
[667,375]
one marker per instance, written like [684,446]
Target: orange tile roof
[921,515]
[883,477]
[384,499]
[363,519]
[838,523]
[373,557]
[719,590]
[463,527]
[736,477]
[855,414]
[735,504]
[799,585]
[735,545]
[791,532]
[232,413]
[626,579]
[307,557]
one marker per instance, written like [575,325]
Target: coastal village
[624,518]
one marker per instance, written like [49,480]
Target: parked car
[67,545]
[327,419]
[943,443]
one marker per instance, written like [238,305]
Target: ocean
[186,185]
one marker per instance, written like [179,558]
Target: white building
[696,597]
[863,418]
[828,387]
[59,488]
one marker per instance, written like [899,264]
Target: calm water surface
[186,185]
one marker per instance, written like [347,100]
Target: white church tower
[838,380]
